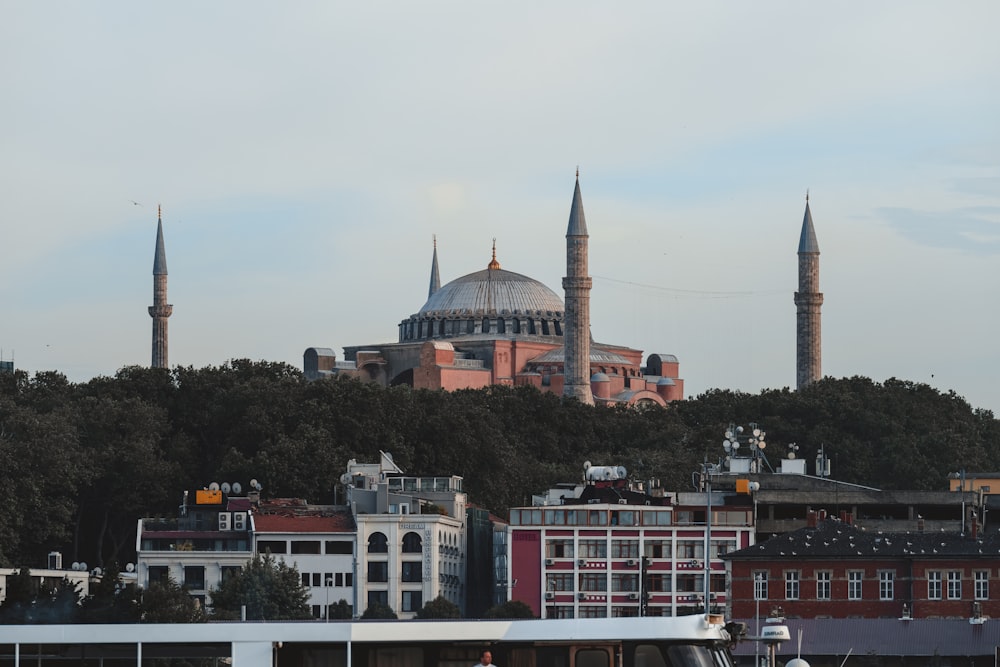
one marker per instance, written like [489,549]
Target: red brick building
[832,569]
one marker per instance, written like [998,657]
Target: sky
[306,155]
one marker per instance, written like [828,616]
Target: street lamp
[329,583]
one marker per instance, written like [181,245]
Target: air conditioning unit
[581,562]
[549,595]
[239,520]
[581,596]
[622,501]
[549,561]
[225,520]
[633,596]
[630,563]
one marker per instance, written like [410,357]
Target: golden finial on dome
[494,264]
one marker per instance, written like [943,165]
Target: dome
[493,290]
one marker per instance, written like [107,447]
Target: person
[485,658]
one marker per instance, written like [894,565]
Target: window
[272,546]
[413,600]
[624,582]
[378,597]
[885,584]
[412,544]
[982,587]
[305,547]
[760,585]
[593,549]
[412,572]
[690,549]
[158,573]
[194,577]
[854,578]
[657,549]
[721,547]
[593,611]
[378,544]
[558,548]
[954,585]
[792,585]
[333,547]
[624,517]
[378,572]
[348,578]
[317,578]
[658,583]
[559,582]
[690,583]
[594,581]
[823,578]
[624,548]
[328,579]
[305,579]
[933,585]
[338,579]
[656,518]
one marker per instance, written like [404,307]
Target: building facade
[610,548]
[832,569]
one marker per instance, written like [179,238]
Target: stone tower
[577,284]
[808,300]
[160,310]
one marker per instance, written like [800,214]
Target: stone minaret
[577,284]
[808,300]
[160,310]
[435,274]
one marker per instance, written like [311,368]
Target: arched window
[412,544]
[378,544]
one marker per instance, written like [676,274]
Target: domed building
[500,327]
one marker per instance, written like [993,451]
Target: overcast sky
[306,153]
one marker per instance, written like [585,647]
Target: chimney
[811,519]
[822,515]
[920,523]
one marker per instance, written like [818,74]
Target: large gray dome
[493,290]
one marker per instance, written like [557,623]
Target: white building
[411,536]
[318,540]
[211,540]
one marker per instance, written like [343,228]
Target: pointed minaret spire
[160,310]
[435,274]
[808,302]
[577,285]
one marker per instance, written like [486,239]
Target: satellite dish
[225,487]
[83,567]
[214,486]
[253,483]
[237,487]
[75,566]
[97,572]
[130,567]
[622,472]
[729,435]
[586,465]
[259,486]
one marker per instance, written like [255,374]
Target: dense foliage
[83,461]
[266,588]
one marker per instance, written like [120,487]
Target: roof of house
[291,515]
[832,538]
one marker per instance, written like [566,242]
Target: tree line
[83,461]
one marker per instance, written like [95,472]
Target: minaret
[160,310]
[808,300]
[435,274]
[576,285]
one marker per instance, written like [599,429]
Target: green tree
[58,602]
[268,588]
[111,601]
[440,607]
[19,597]
[341,609]
[379,610]
[510,609]
[167,602]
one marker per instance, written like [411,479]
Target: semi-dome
[493,290]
